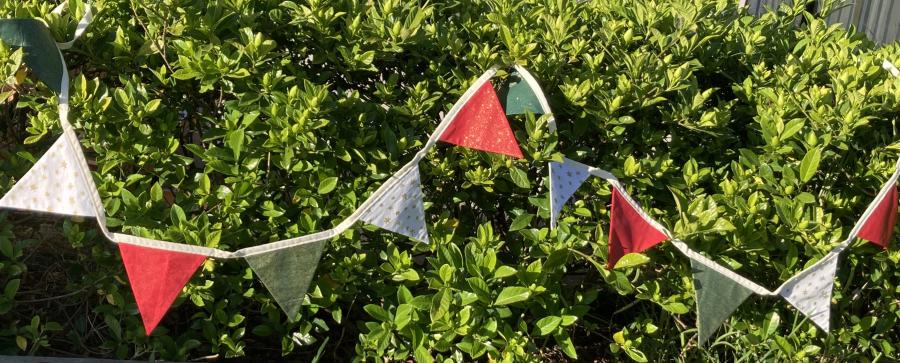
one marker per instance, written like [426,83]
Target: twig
[343,330]
[160,48]
[73,293]
[626,307]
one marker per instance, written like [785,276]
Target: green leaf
[548,325]
[6,247]
[185,74]
[519,177]
[156,192]
[440,304]
[235,142]
[770,325]
[631,260]
[810,164]
[676,308]
[152,106]
[11,288]
[792,128]
[805,198]
[565,344]
[176,214]
[512,294]
[422,355]
[522,221]
[377,312]
[403,316]
[21,342]
[328,184]
[504,271]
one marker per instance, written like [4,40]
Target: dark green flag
[41,54]
[519,98]
[717,297]
[286,273]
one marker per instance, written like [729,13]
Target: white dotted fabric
[53,185]
[810,290]
[565,178]
[401,208]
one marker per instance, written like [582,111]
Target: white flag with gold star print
[53,185]
[400,209]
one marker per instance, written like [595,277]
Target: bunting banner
[60,182]
[810,290]
[519,97]
[53,185]
[481,124]
[157,277]
[287,273]
[888,66]
[401,209]
[40,50]
[565,178]
[879,226]
[629,231]
[717,297]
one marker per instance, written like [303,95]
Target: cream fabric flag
[400,209]
[54,185]
[810,290]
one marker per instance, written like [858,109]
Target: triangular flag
[481,124]
[39,46]
[54,185]
[520,98]
[810,291]
[286,273]
[879,227]
[156,277]
[565,178]
[629,232]
[717,297]
[401,209]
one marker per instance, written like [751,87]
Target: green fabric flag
[717,297]
[286,273]
[518,97]
[41,53]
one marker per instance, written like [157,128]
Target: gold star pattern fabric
[53,185]
[401,209]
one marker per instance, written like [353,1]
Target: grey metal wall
[878,19]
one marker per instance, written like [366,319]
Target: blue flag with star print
[565,178]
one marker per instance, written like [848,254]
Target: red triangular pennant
[628,231]
[481,124]
[879,227]
[156,277]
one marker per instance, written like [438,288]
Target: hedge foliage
[231,123]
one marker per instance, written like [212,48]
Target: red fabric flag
[628,231]
[481,124]
[879,227]
[157,276]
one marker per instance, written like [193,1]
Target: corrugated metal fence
[878,19]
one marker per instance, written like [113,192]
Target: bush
[703,111]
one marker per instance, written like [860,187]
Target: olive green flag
[286,273]
[717,297]
[41,54]
[519,98]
